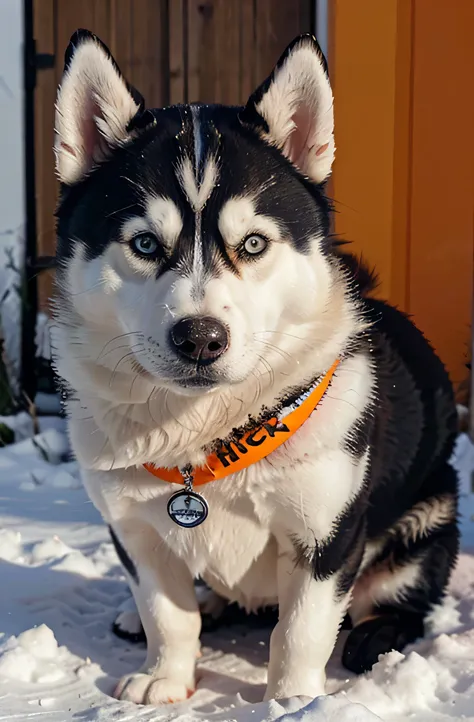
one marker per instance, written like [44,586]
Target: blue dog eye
[254,244]
[145,244]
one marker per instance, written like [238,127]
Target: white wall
[11,164]
[322,24]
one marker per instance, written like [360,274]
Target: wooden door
[136,32]
[173,51]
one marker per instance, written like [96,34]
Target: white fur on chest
[300,488]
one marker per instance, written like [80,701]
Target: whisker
[269,368]
[137,375]
[124,345]
[282,333]
[148,404]
[112,377]
[125,208]
[87,290]
[117,338]
[178,421]
[283,354]
[335,398]
[258,390]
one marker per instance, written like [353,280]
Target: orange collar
[253,445]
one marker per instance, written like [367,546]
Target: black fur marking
[125,560]
[415,421]
[351,564]
[342,552]
[133,637]
[358,437]
[436,552]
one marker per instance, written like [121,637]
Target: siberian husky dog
[201,303]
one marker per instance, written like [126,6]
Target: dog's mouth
[178,376]
[197,382]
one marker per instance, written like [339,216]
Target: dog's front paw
[145,689]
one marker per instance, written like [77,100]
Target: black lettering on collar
[225,451]
[279,426]
[252,441]
[240,446]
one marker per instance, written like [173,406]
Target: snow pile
[331,709]
[62,587]
[21,424]
[33,656]
[11,548]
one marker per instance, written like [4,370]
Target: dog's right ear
[293,109]
[94,108]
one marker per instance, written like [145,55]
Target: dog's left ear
[94,108]
[293,109]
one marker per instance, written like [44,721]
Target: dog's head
[195,236]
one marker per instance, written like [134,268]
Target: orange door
[403,73]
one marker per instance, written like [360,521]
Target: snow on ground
[61,586]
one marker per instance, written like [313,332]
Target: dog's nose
[200,339]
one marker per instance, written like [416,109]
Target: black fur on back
[415,421]
[414,418]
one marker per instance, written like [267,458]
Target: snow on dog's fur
[198,288]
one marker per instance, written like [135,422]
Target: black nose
[200,339]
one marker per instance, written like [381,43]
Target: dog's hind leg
[163,589]
[400,587]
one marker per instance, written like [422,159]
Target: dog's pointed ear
[94,107]
[293,109]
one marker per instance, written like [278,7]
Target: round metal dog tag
[187,509]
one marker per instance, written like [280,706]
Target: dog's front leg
[314,585]
[310,614]
[164,593]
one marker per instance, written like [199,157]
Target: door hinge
[41,263]
[35,61]
[43,61]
